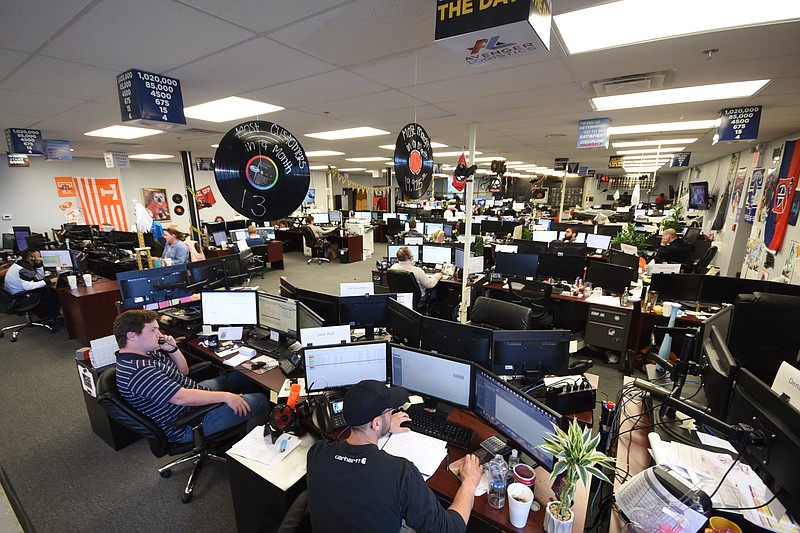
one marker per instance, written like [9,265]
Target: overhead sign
[204,163]
[18,160]
[572,168]
[148,97]
[56,150]
[615,161]
[738,124]
[482,31]
[583,171]
[680,159]
[560,163]
[590,173]
[24,141]
[593,133]
[117,159]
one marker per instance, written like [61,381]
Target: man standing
[673,249]
[154,379]
[354,486]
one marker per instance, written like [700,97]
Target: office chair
[260,258]
[701,265]
[404,281]
[251,263]
[22,304]
[199,450]
[499,314]
[538,297]
[319,247]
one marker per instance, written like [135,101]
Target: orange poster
[65,186]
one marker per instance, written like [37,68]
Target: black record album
[177,198]
[179,210]
[413,161]
[262,170]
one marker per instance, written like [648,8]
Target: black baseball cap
[369,398]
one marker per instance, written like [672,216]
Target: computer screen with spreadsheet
[277,314]
[343,365]
[432,375]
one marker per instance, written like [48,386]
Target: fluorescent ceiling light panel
[320,167]
[151,156]
[665,126]
[366,159]
[681,95]
[662,142]
[638,21]
[231,108]
[122,132]
[214,146]
[455,154]
[434,144]
[488,158]
[352,169]
[349,133]
[651,150]
[323,153]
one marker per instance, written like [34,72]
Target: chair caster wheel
[186,498]
[166,473]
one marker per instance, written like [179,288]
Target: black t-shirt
[361,488]
[675,252]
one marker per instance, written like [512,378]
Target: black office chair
[538,297]
[701,265]
[404,281]
[319,247]
[199,451]
[22,304]
[252,264]
[499,314]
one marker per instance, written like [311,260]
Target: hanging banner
[738,124]
[459,179]
[778,217]
[205,197]
[65,186]
[56,150]
[560,163]
[593,133]
[484,31]
[572,168]
[102,201]
[150,98]
[117,159]
[750,206]
[680,159]
[24,141]
[615,161]
[18,160]
[413,161]
[204,163]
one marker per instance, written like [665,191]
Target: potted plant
[577,458]
[674,221]
[629,235]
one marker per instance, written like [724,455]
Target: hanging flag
[102,201]
[778,217]
[459,175]
[205,197]
[750,205]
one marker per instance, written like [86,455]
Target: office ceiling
[343,63]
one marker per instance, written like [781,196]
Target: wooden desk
[217,252]
[89,312]
[275,254]
[271,380]
[354,245]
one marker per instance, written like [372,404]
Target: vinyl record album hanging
[413,161]
[261,170]
[177,198]
[179,210]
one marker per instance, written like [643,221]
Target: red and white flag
[460,179]
[102,201]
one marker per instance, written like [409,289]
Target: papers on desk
[237,359]
[425,452]
[259,448]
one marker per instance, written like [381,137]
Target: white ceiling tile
[258,17]
[27,25]
[321,88]
[9,60]
[64,77]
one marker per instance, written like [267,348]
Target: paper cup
[666,309]
[73,282]
[520,498]
[87,280]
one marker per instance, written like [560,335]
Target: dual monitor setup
[714,290]
[221,233]
[438,379]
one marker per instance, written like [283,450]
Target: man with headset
[405,261]
[27,274]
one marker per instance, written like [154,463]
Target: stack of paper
[259,448]
[425,452]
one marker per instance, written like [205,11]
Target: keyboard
[270,347]
[435,425]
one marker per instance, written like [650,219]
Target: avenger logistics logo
[493,48]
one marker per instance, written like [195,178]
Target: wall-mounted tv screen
[698,195]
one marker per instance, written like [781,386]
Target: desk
[211,253]
[354,245]
[89,312]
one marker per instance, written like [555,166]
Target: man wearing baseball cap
[354,486]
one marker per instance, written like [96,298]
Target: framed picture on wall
[156,203]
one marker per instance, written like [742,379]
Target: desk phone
[329,413]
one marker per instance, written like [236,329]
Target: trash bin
[343,257]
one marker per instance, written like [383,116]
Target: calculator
[494,446]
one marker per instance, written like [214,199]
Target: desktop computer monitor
[367,311]
[321,218]
[219,238]
[433,254]
[491,226]
[561,267]
[525,246]
[21,234]
[230,308]
[430,227]
[448,229]
[146,287]
[595,241]
[723,289]
[521,419]
[777,422]
[403,324]
[387,216]
[519,351]
[580,237]
[391,251]
[34,241]
[472,343]
[224,271]
[510,225]
[340,366]
[516,265]
[239,235]
[335,217]
[56,259]
[9,242]
[306,318]
[612,278]
[239,223]
[618,257]
[720,374]
[325,305]
[567,248]
[364,215]
[277,314]
[544,235]
[433,376]
[268,234]
[676,287]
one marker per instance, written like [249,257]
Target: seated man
[570,234]
[27,274]
[253,238]
[354,486]
[673,249]
[405,261]
[412,230]
[154,381]
[175,249]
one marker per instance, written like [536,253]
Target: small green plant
[576,455]
[674,221]
[629,235]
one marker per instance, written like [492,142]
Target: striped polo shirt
[148,383]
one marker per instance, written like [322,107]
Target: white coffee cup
[666,309]
[520,498]
[73,282]
[87,280]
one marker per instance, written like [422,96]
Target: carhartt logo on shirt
[350,460]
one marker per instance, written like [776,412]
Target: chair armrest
[203,370]
[194,414]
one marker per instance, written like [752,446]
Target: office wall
[732,240]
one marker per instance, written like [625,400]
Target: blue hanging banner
[24,141]
[57,150]
[738,124]
[144,96]
[680,159]
[593,133]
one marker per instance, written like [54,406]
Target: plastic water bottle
[498,470]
